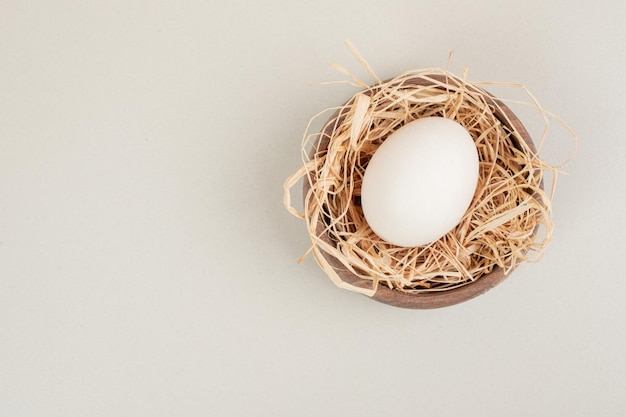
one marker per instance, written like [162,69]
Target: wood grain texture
[435,299]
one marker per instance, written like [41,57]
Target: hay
[507,223]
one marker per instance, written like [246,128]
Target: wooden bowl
[434,299]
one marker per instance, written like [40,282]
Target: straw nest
[507,223]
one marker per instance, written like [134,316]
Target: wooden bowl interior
[435,299]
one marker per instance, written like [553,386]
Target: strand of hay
[507,223]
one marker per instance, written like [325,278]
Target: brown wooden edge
[435,299]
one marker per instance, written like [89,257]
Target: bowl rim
[433,299]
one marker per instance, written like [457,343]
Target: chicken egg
[420,181]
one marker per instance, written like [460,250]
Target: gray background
[148,268]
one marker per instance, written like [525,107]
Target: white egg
[420,181]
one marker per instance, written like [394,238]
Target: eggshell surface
[420,181]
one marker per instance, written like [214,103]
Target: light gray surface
[147,267]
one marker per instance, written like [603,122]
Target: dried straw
[507,223]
